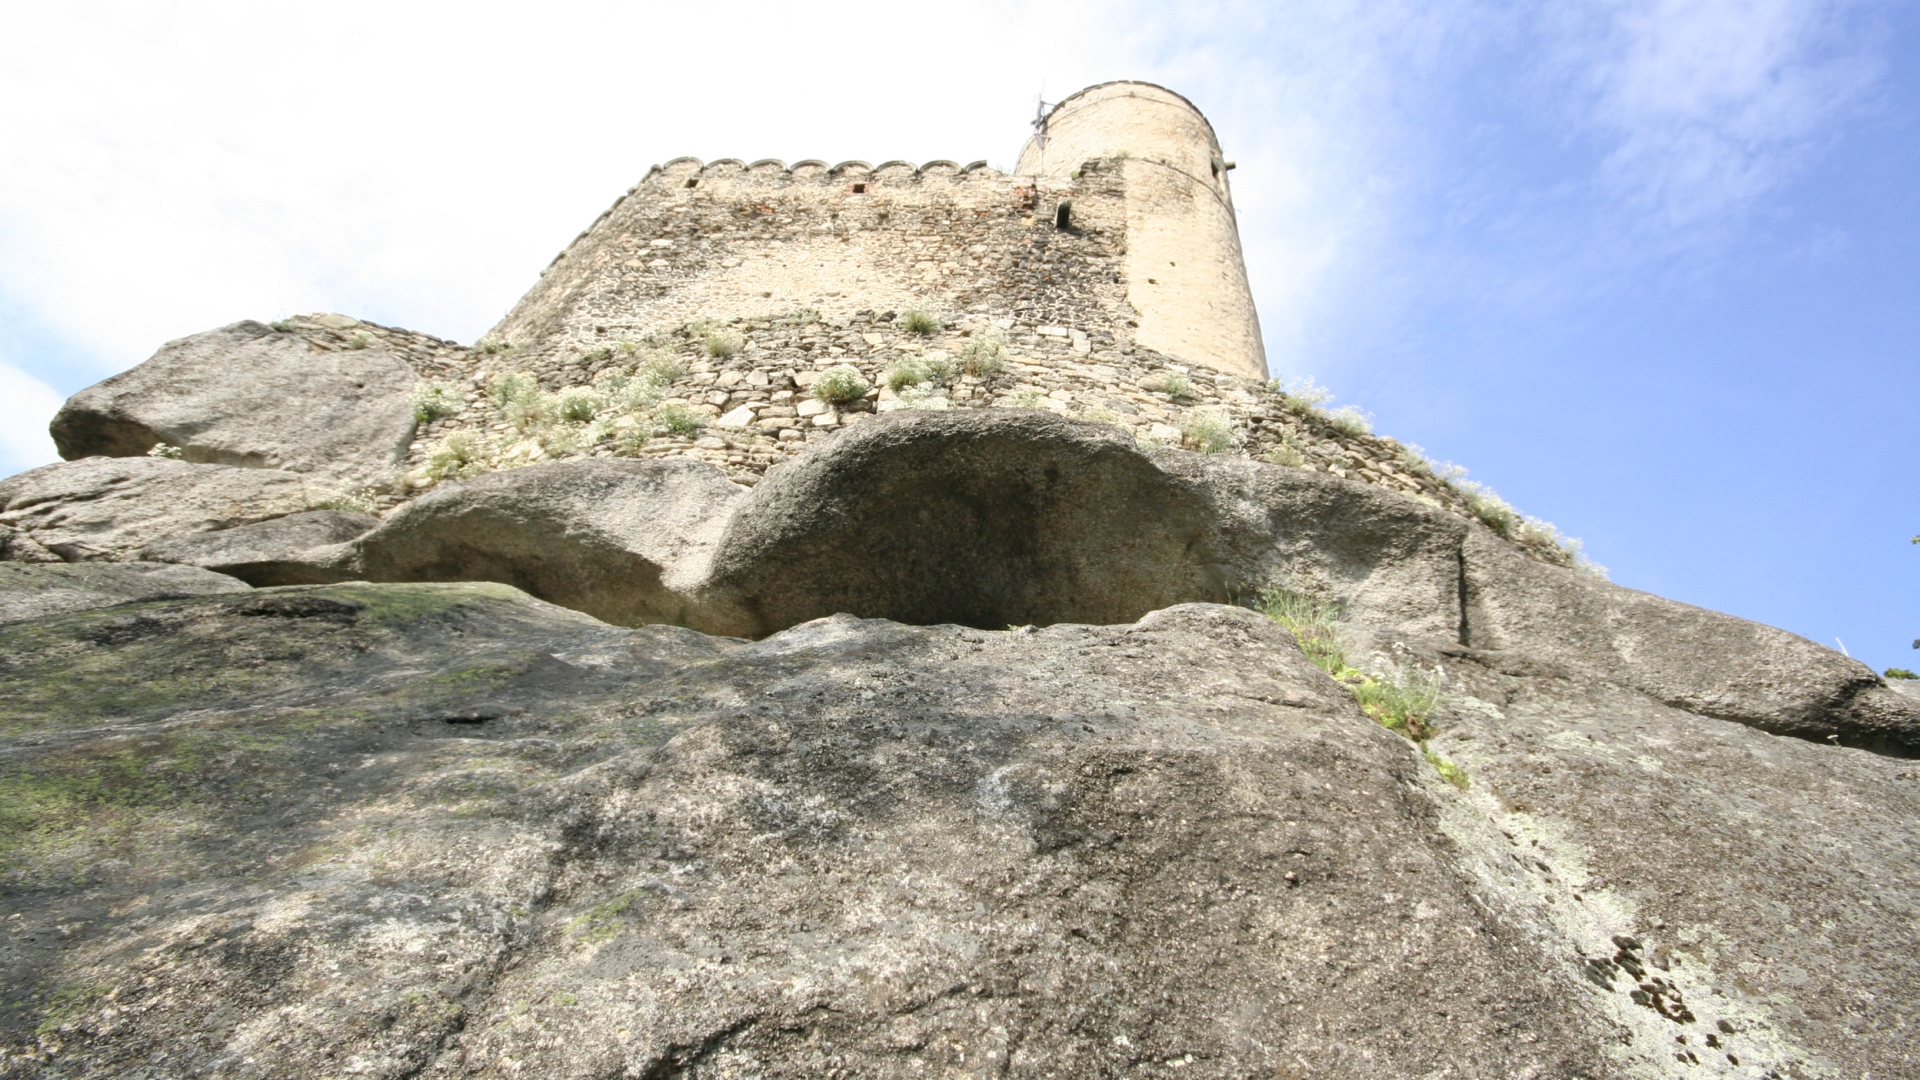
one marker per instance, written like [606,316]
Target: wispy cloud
[1708,105]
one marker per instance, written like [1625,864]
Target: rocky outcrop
[36,590]
[625,541]
[110,508]
[310,548]
[251,396]
[979,518]
[451,830]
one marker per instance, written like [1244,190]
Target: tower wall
[1185,276]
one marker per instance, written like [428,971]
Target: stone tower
[1117,226]
[1184,273]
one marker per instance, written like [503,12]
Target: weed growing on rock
[285,326]
[1450,772]
[840,385]
[680,420]
[360,340]
[924,397]
[1401,701]
[1029,399]
[432,401]
[457,456]
[909,372]
[1349,421]
[1175,385]
[920,323]
[1304,398]
[721,344]
[1209,431]
[161,449]
[364,501]
[1287,452]
[661,368]
[1900,673]
[577,404]
[984,355]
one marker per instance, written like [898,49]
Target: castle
[1102,280]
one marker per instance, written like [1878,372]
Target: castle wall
[1185,274]
[727,240]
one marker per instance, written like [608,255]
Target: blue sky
[1650,269]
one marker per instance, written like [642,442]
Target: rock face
[399,830]
[34,590]
[250,396]
[309,548]
[621,540]
[979,518]
[107,508]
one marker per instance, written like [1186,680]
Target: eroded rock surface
[448,830]
[33,590]
[622,540]
[309,548]
[110,508]
[251,396]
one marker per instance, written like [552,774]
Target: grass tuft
[984,355]
[920,323]
[1209,431]
[840,385]
[432,401]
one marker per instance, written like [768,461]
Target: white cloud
[26,405]
[1711,104]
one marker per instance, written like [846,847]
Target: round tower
[1185,277]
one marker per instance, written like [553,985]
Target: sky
[1648,268]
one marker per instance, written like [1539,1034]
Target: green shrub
[1304,398]
[431,401]
[840,385]
[577,404]
[1209,431]
[680,419]
[1029,399]
[984,355]
[493,346]
[920,323]
[941,370]
[285,326]
[1349,421]
[721,344]
[1900,673]
[1401,702]
[909,372]
[661,368]
[1282,454]
[507,388]
[457,456]
[360,340]
[1313,620]
[1175,385]
[165,450]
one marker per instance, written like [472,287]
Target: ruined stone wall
[729,240]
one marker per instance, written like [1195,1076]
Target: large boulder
[251,396]
[311,548]
[984,518]
[34,590]
[622,540]
[110,508]
[394,830]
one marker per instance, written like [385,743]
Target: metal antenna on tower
[1041,105]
